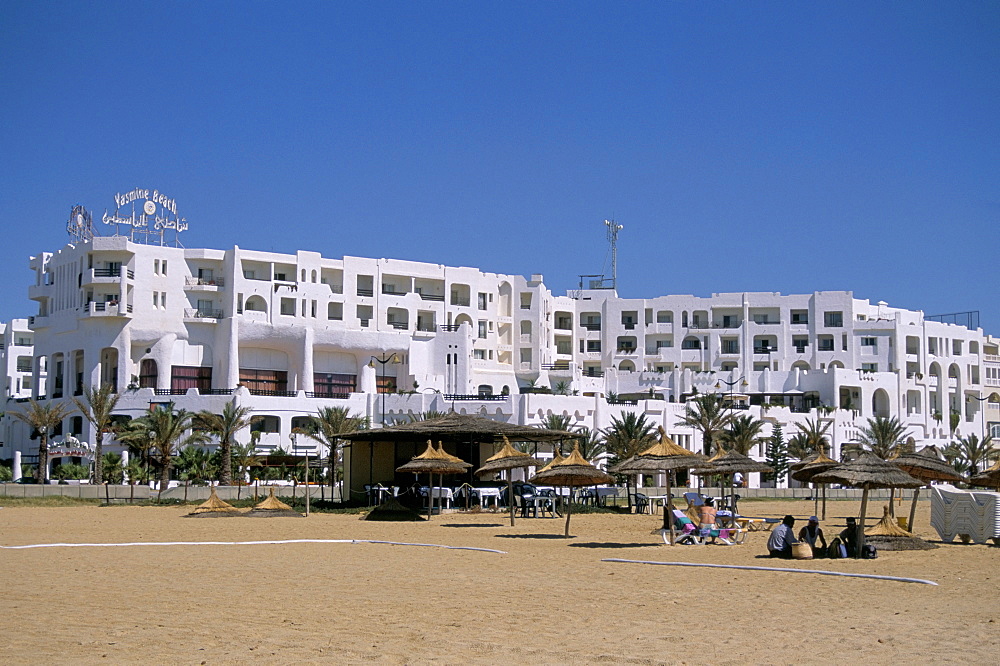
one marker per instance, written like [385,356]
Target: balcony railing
[487,397]
[593,372]
[432,297]
[194,281]
[328,395]
[25,367]
[765,350]
[592,326]
[449,327]
[274,394]
[198,313]
[365,292]
[400,325]
[392,291]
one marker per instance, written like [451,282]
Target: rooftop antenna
[613,229]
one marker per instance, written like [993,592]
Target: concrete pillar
[125,466]
[17,466]
[306,370]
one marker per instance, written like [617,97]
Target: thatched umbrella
[214,507]
[989,478]
[507,459]
[866,472]
[665,456]
[431,462]
[574,471]
[886,534]
[810,466]
[273,507]
[926,465]
[727,464]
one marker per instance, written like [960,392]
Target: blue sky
[758,146]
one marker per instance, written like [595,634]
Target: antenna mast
[613,230]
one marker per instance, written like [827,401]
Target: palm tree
[112,468]
[591,442]
[707,414]
[96,407]
[814,439]
[424,416]
[244,456]
[969,454]
[630,435]
[166,431]
[43,418]
[557,422]
[194,463]
[225,427]
[743,434]
[327,427]
[799,447]
[884,437]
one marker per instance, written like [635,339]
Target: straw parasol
[990,477]
[574,471]
[508,458]
[664,456]
[866,472]
[215,507]
[810,466]
[887,535]
[431,462]
[272,507]
[728,463]
[926,465]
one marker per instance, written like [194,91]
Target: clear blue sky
[744,146]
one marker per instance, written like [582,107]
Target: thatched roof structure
[215,507]
[989,477]
[506,459]
[886,534]
[804,470]
[558,458]
[272,507]
[868,471]
[434,461]
[732,462]
[926,467]
[456,427]
[663,456]
[574,471]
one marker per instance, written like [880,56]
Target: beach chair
[641,503]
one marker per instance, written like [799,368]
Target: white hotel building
[286,334]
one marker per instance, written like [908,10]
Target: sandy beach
[544,599]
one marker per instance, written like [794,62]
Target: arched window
[147,373]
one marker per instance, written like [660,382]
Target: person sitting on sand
[811,533]
[849,536]
[779,544]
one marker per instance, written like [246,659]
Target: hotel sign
[156,211]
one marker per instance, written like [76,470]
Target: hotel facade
[288,334]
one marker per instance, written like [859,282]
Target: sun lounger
[970,515]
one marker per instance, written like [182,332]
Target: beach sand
[545,600]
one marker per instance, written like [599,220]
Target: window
[869,367]
[526,300]
[482,301]
[249,274]
[660,344]
[156,266]
[800,344]
[869,342]
[335,311]
[288,306]
[800,316]
[183,378]
[730,346]
[330,385]
[163,267]
[664,317]
[280,276]
[264,381]
[156,299]
[265,424]
[826,343]
[479,354]
[593,345]
[482,329]
[147,373]
[833,319]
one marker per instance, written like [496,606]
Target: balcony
[399,325]
[193,283]
[389,290]
[558,366]
[484,397]
[432,297]
[108,309]
[366,292]
[767,350]
[199,313]
[590,326]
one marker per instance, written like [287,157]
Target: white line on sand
[781,569]
[240,543]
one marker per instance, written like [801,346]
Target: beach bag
[802,551]
[837,549]
[869,552]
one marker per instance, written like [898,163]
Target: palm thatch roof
[732,462]
[989,477]
[663,456]
[507,458]
[555,459]
[434,461]
[886,534]
[214,507]
[926,467]
[810,466]
[272,507]
[868,471]
[456,427]
[573,471]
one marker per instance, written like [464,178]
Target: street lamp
[731,384]
[381,360]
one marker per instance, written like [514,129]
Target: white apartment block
[286,334]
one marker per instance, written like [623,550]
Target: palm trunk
[42,474]
[860,540]
[892,502]
[98,454]
[226,470]
[913,510]
[164,476]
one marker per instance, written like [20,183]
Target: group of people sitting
[782,538]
